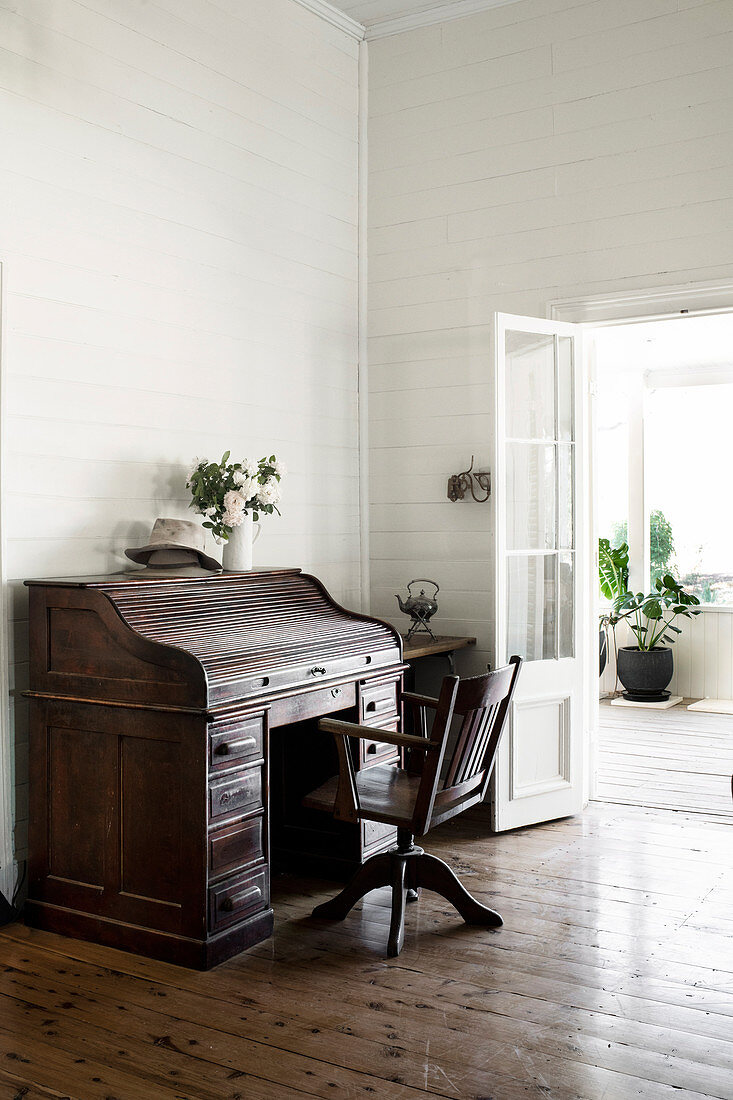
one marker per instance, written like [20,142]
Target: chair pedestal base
[406,869]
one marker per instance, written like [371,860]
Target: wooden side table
[422,645]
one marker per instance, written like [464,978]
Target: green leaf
[613,569]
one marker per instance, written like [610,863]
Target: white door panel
[541,565]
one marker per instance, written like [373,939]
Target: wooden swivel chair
[438,782]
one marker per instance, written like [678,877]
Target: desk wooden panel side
[132,832]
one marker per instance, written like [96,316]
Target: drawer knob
[318,670]
[227,796]
[372,749]
[375,705]
[335,692]
[239,900]
[240,746]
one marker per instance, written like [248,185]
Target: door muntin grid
[540,491]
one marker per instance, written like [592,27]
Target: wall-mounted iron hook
[460,484]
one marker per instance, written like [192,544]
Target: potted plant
[613,575]
[231,496]
[646,668]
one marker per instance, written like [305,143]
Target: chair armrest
[419,700]
[346,805]
[419,706]
[373,733]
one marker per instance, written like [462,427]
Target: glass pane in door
[565,496]
[530,386]
[532,602]
[566,605]
[530,493]
[565,394]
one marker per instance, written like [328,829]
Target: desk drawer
[375,835]
[237,793]
[312,704]
[236,847]
[237,898]
[236,742]
[378,701]
[376,751]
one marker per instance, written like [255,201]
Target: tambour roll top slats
[254,632]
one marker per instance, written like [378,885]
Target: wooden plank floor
[612,978]
[670,759]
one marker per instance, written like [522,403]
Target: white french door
[543,606]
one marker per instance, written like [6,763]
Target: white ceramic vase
[237,553]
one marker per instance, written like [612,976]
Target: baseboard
[184,951]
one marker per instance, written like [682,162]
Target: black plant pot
[602,650]
[645,673]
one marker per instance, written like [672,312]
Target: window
[612,458]
[687,447]
[664,422]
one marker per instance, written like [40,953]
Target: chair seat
[386,794]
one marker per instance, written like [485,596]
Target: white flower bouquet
[224,492]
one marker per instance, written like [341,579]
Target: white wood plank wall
[178,231]
[540,150]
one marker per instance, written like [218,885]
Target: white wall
[541,150]
[178,232]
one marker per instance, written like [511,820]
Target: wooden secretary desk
[173,736]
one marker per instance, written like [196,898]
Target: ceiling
[374,13]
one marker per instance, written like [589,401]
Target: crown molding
[335,17]
[445,13]
[645,305]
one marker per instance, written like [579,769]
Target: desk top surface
[422,645]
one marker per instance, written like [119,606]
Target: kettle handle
[425,580]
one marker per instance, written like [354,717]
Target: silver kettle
[420,608]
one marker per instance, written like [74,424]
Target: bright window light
[612,454]
[687,444]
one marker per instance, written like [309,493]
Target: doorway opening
[663,426]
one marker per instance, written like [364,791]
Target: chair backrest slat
[469,746]
[482,702]
[464,742]
[475,759]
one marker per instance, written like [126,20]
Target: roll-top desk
[173,735]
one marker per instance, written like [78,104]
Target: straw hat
[174,544]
